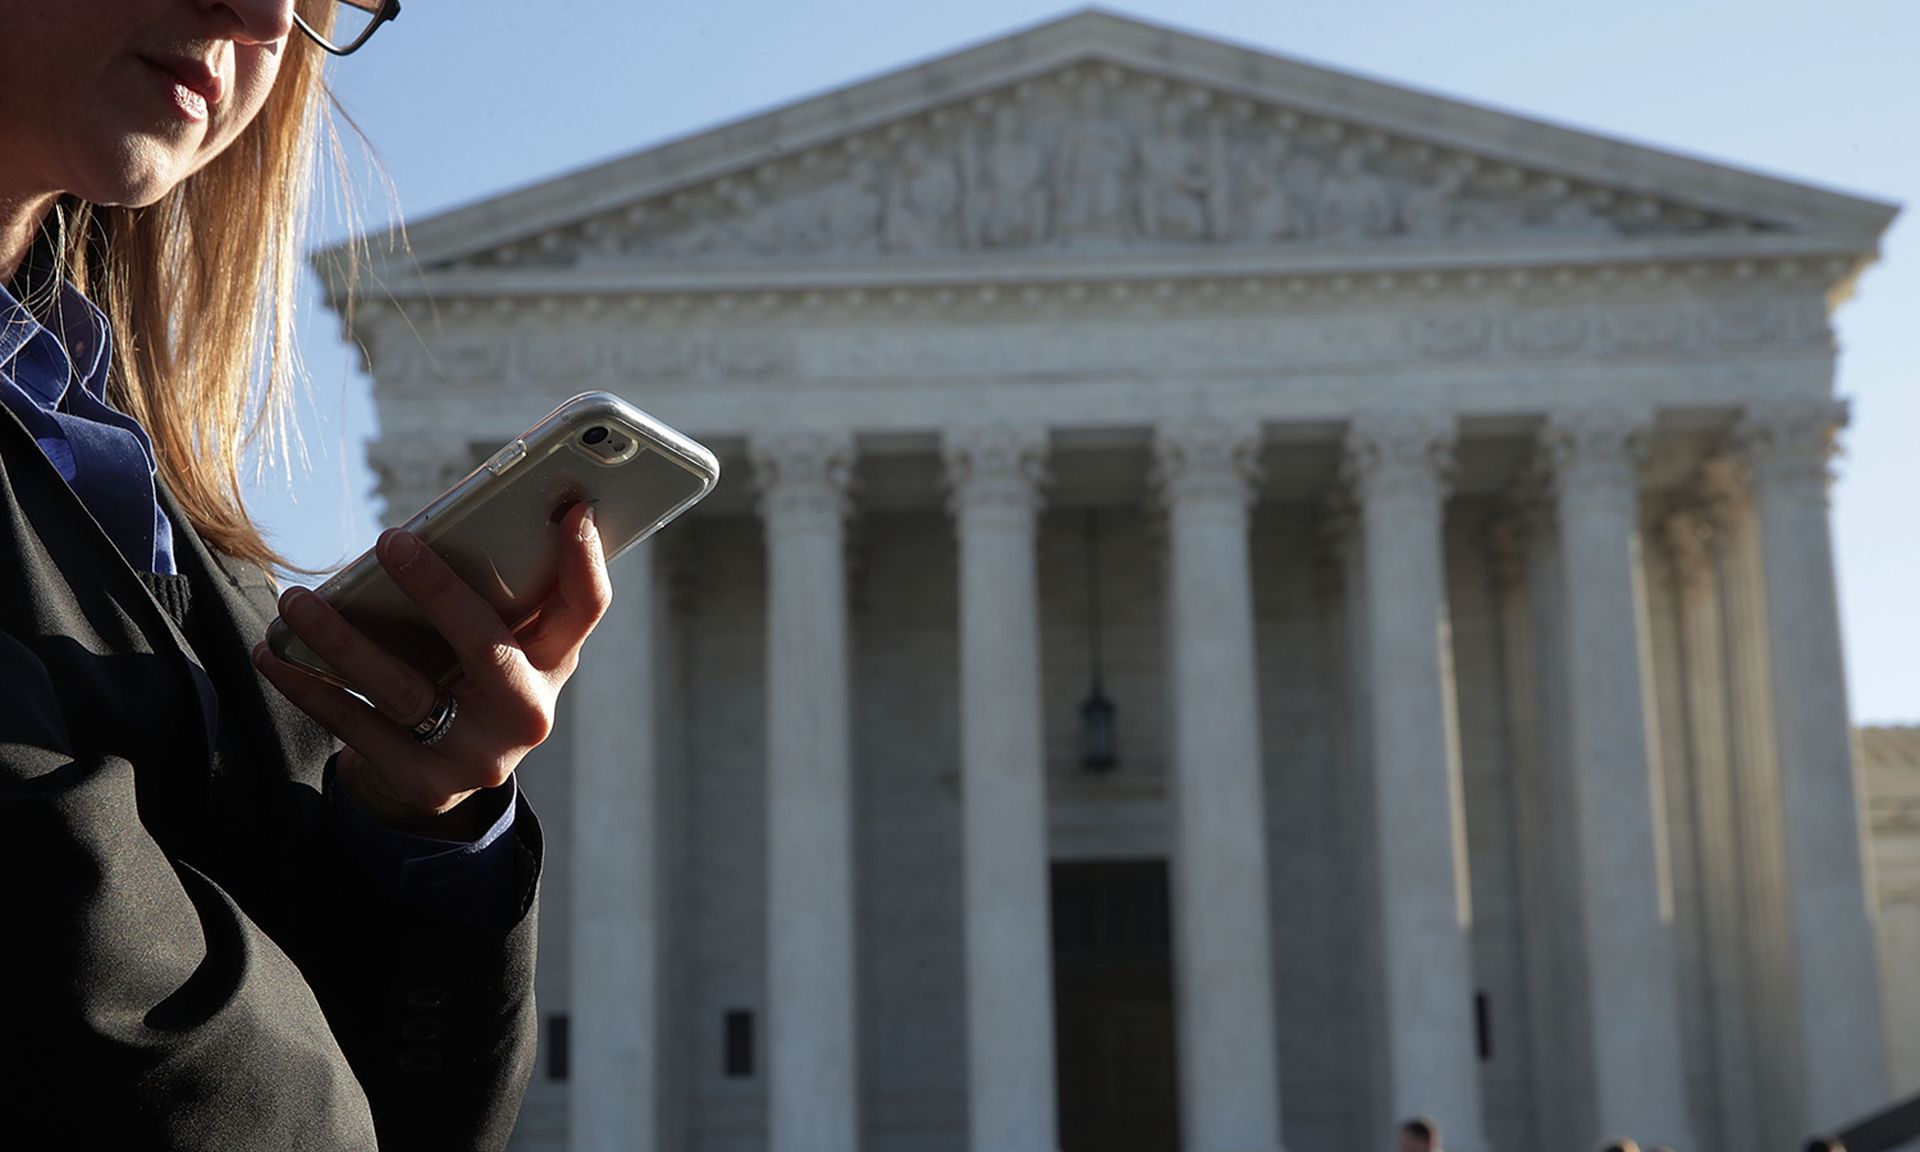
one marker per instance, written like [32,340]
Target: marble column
[1229,1065]
[1754,769]
[812,1065]
[1399,467]
[995,475]
[1539,658]
[1716,833]
[613,1100]
[1344,571]
[1836,969]
[1510,547]
[1636,1073]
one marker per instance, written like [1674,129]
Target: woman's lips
[194,85]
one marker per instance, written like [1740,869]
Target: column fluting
[1344,569]
[1229,1079]
[1543,783]
[1716,836]
[994,474]
[1399,467]
[1632,1027]
[613,1098]
[1510,550]
[1754,769]
[1842,1048]
[812,1062]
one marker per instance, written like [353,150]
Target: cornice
[1451,267]
[731,294]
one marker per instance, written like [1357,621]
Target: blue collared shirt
[53,376]
[107,458]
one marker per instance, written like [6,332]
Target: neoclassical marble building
[1438,497]
[1890,766]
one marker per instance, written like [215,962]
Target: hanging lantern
[1099,750]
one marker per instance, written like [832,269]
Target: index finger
[581,595]
[471,626]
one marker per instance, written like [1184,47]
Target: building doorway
[1113,1007]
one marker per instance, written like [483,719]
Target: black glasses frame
[388,10]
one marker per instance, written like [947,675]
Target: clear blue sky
[463,100]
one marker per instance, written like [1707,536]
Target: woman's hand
[505,692]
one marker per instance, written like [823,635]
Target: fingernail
[260,655]
[402,548]
[586,524]
[300,607]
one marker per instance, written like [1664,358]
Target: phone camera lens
[594,435]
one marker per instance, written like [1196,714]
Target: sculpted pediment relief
[1100,158]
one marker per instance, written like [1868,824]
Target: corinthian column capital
[1206,460]
[1507,551]
[1400,456]
[1687,534]
[1791,444]
[1723,488]
[995,468]
[411,474]
[1337,533]
[1530,495]
[1596,450]
[803,474]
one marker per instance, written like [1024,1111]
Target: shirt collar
[76,348]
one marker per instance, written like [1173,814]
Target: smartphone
[499,526]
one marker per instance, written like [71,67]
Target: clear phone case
[499,526]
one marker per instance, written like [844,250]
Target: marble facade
[1458,479]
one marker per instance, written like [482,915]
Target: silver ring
[439,722]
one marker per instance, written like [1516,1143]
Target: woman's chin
[138,173]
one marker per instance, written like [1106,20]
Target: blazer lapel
[237,613]
[268,785]
[77,544]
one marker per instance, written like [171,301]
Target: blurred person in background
[1419,1134]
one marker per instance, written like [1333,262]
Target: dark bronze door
[1113,1007]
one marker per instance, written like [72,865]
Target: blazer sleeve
[144,1008]
[435,1014]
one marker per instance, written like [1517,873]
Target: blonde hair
[200,290]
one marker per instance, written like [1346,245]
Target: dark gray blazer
[186,960]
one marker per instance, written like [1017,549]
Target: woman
[220,931]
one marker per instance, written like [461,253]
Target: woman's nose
[256,21]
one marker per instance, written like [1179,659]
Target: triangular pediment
[1097,134]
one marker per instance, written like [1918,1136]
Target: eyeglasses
[354,21]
